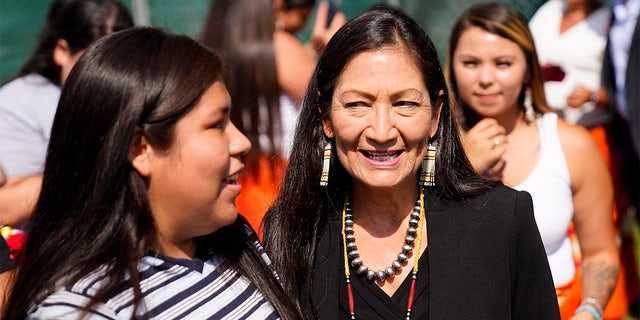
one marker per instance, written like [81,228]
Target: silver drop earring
[529,113]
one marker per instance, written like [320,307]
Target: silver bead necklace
[403,256]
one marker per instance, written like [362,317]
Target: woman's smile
[386,158]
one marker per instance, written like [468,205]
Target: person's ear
[435,117]
[140,152]
[327,128]
[61,53]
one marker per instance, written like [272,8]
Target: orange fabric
[259,189]
[568,299]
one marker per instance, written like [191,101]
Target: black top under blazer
[485,261]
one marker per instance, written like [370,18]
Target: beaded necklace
[414,272]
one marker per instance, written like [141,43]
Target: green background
[21,20]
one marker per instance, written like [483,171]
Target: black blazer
[486,261]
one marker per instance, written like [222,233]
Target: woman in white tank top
[512,136]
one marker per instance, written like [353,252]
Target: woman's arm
[296,61]
[593,218]
[293,63]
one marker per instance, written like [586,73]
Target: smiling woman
[145,190]
[378,120]
[399,226]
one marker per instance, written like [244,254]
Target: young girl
[136,217]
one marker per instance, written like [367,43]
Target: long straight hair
[93,210]
[506,21]
[80,23]
[303,207]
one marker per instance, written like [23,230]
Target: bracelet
[594,302]
[591,310]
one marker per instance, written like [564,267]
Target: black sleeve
[533,291]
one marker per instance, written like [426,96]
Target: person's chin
[380,182]
[228,218]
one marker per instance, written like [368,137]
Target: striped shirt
[172,289]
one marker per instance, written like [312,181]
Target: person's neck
[180,250]
[511,120]
[382,211]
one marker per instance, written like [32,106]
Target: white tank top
[549,184]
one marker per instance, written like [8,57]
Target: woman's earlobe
[327,129]
[140,154]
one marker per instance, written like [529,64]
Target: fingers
[488,133]
[495,142]
[339,19]
[579,96]
[320,35]
[321,16]
[485,145]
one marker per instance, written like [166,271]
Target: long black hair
[80,23]
[303,206]
[93,208]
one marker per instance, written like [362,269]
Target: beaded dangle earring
[326,160]
[529,113]
[427,177]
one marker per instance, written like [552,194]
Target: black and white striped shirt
[172,289]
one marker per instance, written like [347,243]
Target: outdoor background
[21,20]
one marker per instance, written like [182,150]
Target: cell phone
[334,6]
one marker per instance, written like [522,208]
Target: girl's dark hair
[80,23]
[506,21]
[242,32]
[93,208]
[303,206]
